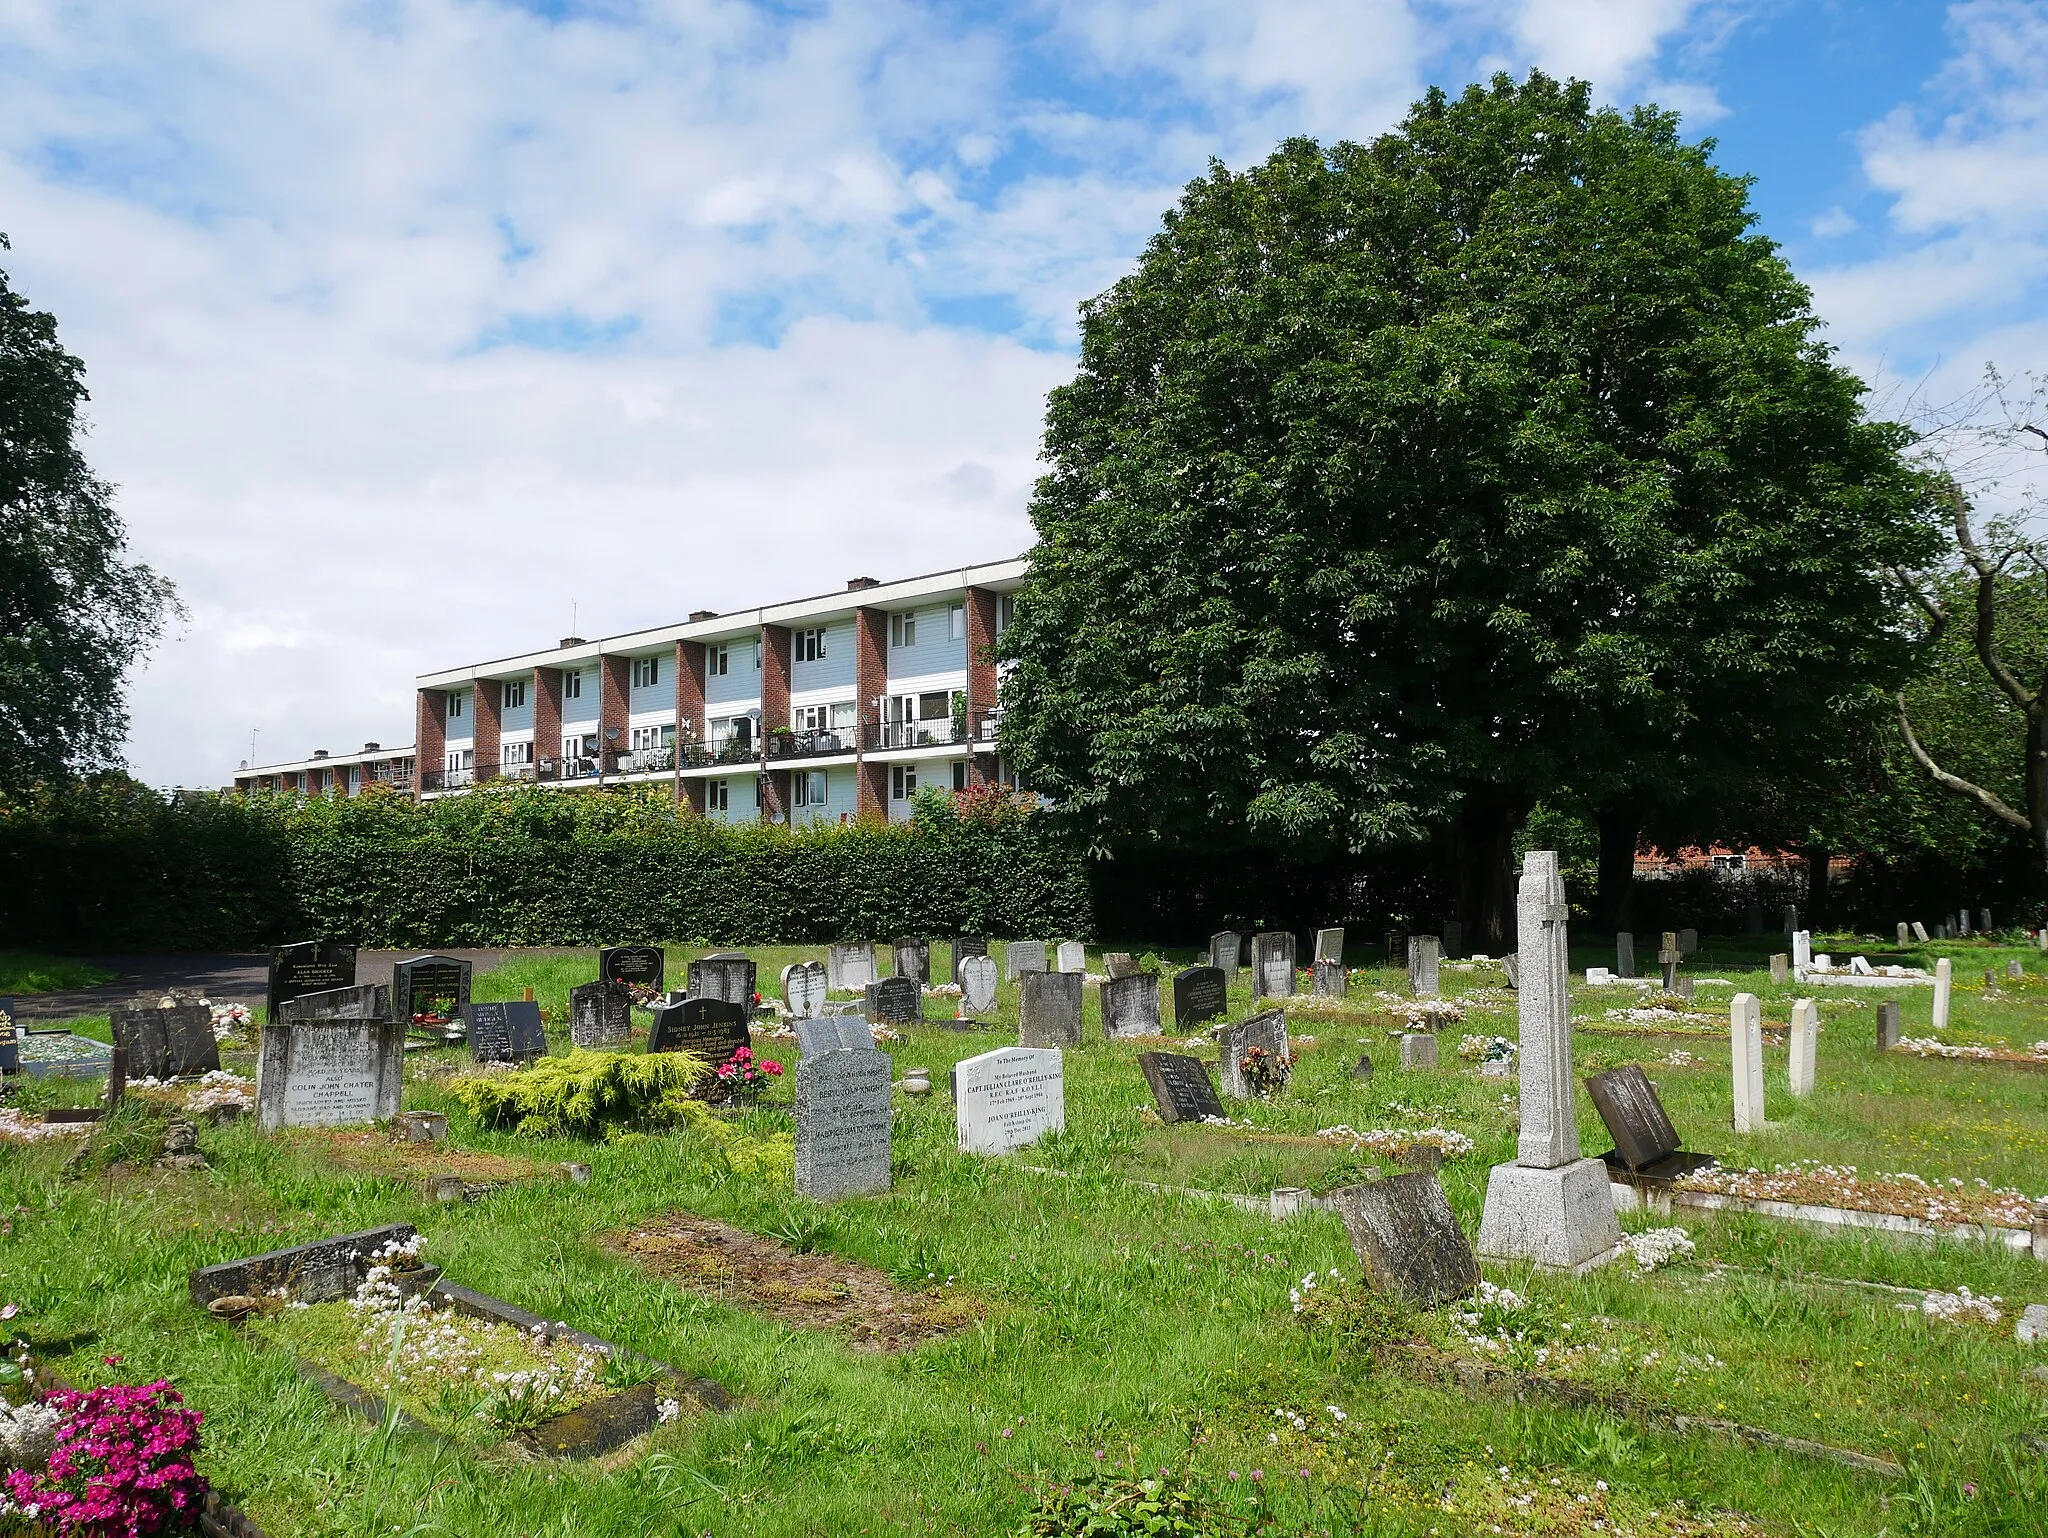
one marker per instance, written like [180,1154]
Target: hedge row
[113,867]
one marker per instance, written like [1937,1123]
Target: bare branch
[1937,614]
[1990,801]
[1987,572]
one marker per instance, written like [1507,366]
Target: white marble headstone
[1073,956]
[1746,1043]
[977,984]
[804,989]
[1009,1098]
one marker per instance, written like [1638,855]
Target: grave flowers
[1266,1073]
[743,1075]
[230,1021]
[120,1462]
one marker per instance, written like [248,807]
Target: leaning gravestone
[914,959]
[1130,1005]
[1119,964]
[1328,979]
[714,1029]
[1199,994]
[965,946]
[506,1033]
[325,1272]
[1407,1240]
[1180,1086]
[849,968]
[430,991]
[329,1073]
[600,1015]
[166,1043]
[1073,957]
[309,966]
[839,1033]
[1050,1015]
[977,978]
[1645,1142]
[1021,956]
[804,986]
[633,966]
[723,975]
[1272,965]
[895,1001]
[1330,945]
[365,1001]
[1008,1098]
[1223,950]
[1920,931]
[842,1124]
[1235,1042]
[1552,1205]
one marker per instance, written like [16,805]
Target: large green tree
[1403,484]
[73,613]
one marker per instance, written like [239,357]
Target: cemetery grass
[28,972]
[1150,1327]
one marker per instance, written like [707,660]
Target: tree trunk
[2037,779]
[1621,829]
[1486,872]
[1818,856]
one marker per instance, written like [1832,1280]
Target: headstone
[1418,1049]
[1362,1069]
[913,959]
[1512,965]
[1117,964]
[1628,1104]
[600,1015]
[1329,979]
[1424,954]
[430,991]
[1746,1044]
[1330,945]
[1804,1038]
[1781,968]
[1272,965]
[842,1124]
[1963,924]
[1791,918]
[838,1033]
[1008,1098]
[849,968]
[633,966]
[1199,994]
[309,966]
[1130,1006]
[506,1033]
[1624,954]
[1984,921]
[1920,931]
[1668,958]
[2013,969]
[1905,934]
[1688,941]
[964,946]
[1753,919]
[1551,1205]
[1223,948]
[1021,956]
[367,1001]
[724,975]
[1397,948]
[1598,977]
[329,1073]
[1235,1042]
[1888,1027]
[165,1043]
[1050,1013]
[1073,957]
[1454,937]
[1683,988]
[1802,952]
[1408,1242]
[1181,1087]
[895,1000]
[714,1029]
[1944,985]
[977,977]
[10,1039]
[323,1272]
[804,986]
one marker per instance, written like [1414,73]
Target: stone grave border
[616,1418]
[1637,1194]
[96,1067]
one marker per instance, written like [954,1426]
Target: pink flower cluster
[122,1467]
[747,1075]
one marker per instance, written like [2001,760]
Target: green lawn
[32,972]
[1148,1327]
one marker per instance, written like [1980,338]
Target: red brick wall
[691,720]
[614,705]
[430,734]
[547,715]
[981,675]
[775,792]
[485,699]
[870,682]
[774,678]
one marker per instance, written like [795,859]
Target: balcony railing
[457,779]
[915,734]
[811,744]
[647,761]
[699,755]
[517,772]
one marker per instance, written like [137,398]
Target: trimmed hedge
[110,866]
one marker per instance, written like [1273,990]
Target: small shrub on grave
[586,1093]
[1092,1506]
[1267,1073]
[1349,1313]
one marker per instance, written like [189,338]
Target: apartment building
[337,774]
[818,709]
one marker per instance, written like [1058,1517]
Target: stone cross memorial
[895,1000]
[804,986]
[599,1015]
[1199,994]
[1746,1044]
[1181,1087]
[642,966]
[1425,955]
[1407,1239]
[329,1073]
[1804,1038]
[1645,1142]
[1021,956]
[1328,979]
[842,1124]
[849,968]
[1223,950]
[1073,957]
[166,1043]
[1130,1005]
[1330,945]
[714,1029]
[1051,1012]
[1008,1098]
[838,1033]
[977,978]
[309,966]
[913,959]
[430,992]
[1235,1042]
[724,975]
[1272,965]
[1668,957]
[1551,1205]
[506,1033]
[1624,954]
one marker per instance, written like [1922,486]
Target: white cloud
[1837,221]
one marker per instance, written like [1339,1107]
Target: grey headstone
[895,1001]
[1021,956]
[1425,953]
[1330,945]
[838,1033]
[1008,1098]
[804,986]
[1512,965]
[307,966]
[1418,1049]
[1407,1240]
[1180,1085]
[1223,950]
[1397,948]
[1781,968]
[1905,934]
[849,968]
[633,966]
[913,957]
[1624,954]
[1635,1118]
[1330,980]
[1920,931]
[1454,938]
[1130,1005]
[430,991]
[599,1015]
[724,975]
[1362,1069]
[165,1043]
[329,1073]
[1887,1025]
[842,1124]
[1199,994]
[322,1272]
[1234,1042]
[1119,964]
[1688,941]
[1272,965]
[978,984]
[1073,956]
[371,1001]
[714,1029]
[1051,1011]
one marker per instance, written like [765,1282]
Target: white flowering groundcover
[1810,1183]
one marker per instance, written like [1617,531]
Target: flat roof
[362,756]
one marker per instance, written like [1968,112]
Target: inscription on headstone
[1008,1098]
[10,1038]
[430,990]
[723,975]
[842,1124]
[1272,965]
[849,968]
[633,966]
[977,984]
[895,1000]
[1181,1087]
[165,1043]
[1425,956]
[838,1033]
[1050,1015]
[714,1029]
[308,966]
[1130,1005]
[965,946]
[1330,945]
[600,1015]
[804,986]
[914,959]
[1199,994]
[1407,1240]
[364,1001]
[1235,1042]
[1021,956]
[329,1073]
[506,1033]
[1223,950]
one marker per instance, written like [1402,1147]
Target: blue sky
[412,322]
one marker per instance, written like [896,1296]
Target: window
[845,716]
[937,706]
[959,618]
[903,629]
[717,795]
[1731,861]
[1006,611]
[735,729]
[581,746]
[455,707]
[810,646]
[646,672]
[572,685]
[902,781]
[757,656]
[809,786]
[810,718]
[717,661]
[960,775]
[513,754]
[355,776]
[461,759]
[648,737]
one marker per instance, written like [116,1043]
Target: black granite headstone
[1199,993]
[895,1001]
[1181,1086]
[1645,1142]
[10,1039]
[506,1033]
[307,966]
[714,1029]
[633,966]
[429,990]
[965,946]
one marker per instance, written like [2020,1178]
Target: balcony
[517,772]
[734,750]
[811,744]
[433,779]
[647,761]
[915,734]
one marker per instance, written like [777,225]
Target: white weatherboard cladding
[658,698]
[740,684]
[517,718]
[842,792]
[833,673]
[935,653]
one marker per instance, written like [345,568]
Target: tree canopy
[1404,484]
[73,614]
